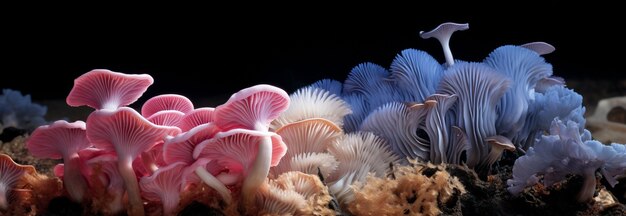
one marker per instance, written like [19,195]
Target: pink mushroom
[150,160]
[196,117]
[127,133]
[166,102]
[105,89]
[238,151]
[180,149]
[10,175]
[62,139]
[164,186]
[254,108]
[167,117]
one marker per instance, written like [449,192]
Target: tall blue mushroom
[443,33]
[437,127]
[479,88]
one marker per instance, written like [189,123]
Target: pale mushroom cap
[501,142]
[166,102]
[107,89]
[539,47]
[196,117]
[273,200]
[252,108]
[310,163]
[312,102]
[125,131]
[444,30]
[361,152]
[310,135]
[58,139]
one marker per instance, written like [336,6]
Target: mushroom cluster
[326,147]
[469,113]
[159,153]
[455,112]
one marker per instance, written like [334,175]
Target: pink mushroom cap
[167,117]
[237,149]
[180,148]
[164,186]
[196,117]
[252,108]
[125,131]
[166,102]
[105,89]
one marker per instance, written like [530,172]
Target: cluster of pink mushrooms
[159,152]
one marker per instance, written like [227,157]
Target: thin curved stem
[214,183]
[259,171]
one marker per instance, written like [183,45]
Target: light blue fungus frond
[360,109]
[479,88]
[567,151]
[363,77]
[333,86]
[562,103]
[417,73]
[398,125]
[525,68]
[17,110]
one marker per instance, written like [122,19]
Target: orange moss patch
[417,189]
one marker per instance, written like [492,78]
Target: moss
[417,189]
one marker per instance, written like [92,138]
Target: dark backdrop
[289,50]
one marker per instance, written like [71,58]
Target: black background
[201,53]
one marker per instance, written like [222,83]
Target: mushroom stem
[259,170]
[214,183]
[4,203]
[149,163]
[73,180]
[445,44]
[124,165]
[589,186]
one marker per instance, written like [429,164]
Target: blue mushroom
[525,68]
[479,88]
[416,73]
